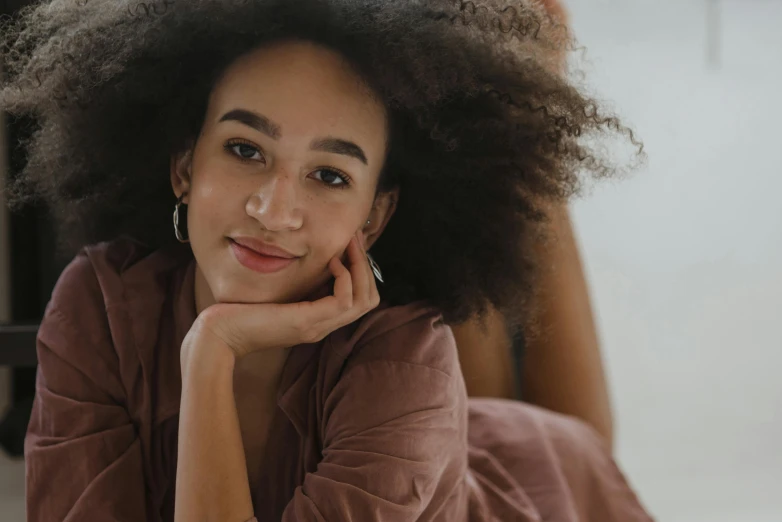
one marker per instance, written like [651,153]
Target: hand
[246,328]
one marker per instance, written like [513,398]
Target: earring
[179,236]
[368,221]
[375,269]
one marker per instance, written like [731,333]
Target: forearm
[212,482]
[563,368]
[485,356]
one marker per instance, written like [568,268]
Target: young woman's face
[283,174]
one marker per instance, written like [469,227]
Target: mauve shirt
[373,423]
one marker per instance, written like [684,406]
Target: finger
[353,293]
[359,268]
[327,308]
[343,284]
[374,297]
[374,294]
[358,291]
[372,283]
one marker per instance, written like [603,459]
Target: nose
[276,203]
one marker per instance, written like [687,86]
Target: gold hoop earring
[178,233]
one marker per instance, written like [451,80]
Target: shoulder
[99,273]
[397,361]
[83,291]
[412,335]
[76,347]
[98,280]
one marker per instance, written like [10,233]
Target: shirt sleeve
[395,434]
[82,455]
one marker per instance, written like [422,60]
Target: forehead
[306,89]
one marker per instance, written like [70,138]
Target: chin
[243,286]
[249,294]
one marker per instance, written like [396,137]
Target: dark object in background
[14,426]
[11,6]
[35,268]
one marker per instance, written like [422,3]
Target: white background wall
[685,257]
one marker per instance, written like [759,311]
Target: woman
[247,364]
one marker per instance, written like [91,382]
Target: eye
[244,151]
[332,178]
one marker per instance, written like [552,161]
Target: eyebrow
[266,126]
[256,121]
[338,146]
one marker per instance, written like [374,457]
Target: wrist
[198,356]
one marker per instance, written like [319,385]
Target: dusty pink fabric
[373,423]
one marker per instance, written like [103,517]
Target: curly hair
[483,131]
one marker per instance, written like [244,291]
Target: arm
[563,368]
[212,482]
[83,458]
[394,446]
[485,356]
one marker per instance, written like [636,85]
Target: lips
[262,248]
[259,256]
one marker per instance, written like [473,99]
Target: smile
[264,263]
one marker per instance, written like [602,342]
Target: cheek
[214,198]
[331,229]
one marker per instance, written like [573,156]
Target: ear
[181,173]
[382,210]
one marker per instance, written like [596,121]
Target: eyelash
[229,145]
